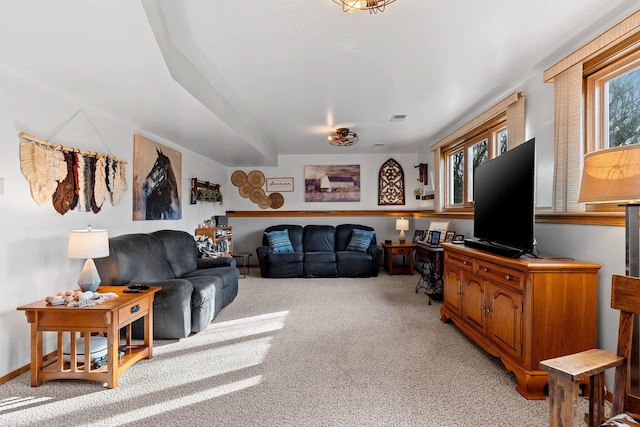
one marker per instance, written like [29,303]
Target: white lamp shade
[402,224]
[88,244]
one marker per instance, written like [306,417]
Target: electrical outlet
[1,186]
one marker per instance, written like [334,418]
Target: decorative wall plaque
[391,184]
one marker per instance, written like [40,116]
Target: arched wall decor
[391,184]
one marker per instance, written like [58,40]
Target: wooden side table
[398,249]
[107,318]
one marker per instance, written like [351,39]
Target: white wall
[33,243]
[248,231]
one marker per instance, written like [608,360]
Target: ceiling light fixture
[342,137]
[373,6]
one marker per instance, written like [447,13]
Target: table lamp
[88,244]
[612,175]
[402,225]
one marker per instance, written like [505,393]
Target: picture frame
[332,183]
[157,181]
[427,236]
[418,235]
[280,184]
[459,238]
[448,237]
[435,238]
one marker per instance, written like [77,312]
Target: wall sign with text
[280,184]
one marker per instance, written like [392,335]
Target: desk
[431,270]
[108,318]
[404,250]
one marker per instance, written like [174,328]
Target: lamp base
[402,238]
[89,279]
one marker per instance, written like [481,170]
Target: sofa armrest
[216,262]
[376,258]
[262,252]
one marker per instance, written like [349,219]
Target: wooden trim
[25,368]
[578,218]
[325,213]
[615,34]
[604,219]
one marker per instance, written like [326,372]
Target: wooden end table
[398,249]
[106,318]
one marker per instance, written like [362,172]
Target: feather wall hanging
[70,178]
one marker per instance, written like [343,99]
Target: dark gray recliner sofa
[193,290]
[319,251]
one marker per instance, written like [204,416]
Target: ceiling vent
[398,118]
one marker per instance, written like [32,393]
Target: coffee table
[107,319]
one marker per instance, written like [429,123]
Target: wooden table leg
[113,340]
[36,354]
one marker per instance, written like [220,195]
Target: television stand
[521,310]
[494,248]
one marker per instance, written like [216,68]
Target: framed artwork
[157,181]
[449,236]
[332,183]
[281,185]
[459,238]
[441,226]
[418,235]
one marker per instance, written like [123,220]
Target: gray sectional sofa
[194,289]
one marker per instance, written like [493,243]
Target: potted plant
[210,195]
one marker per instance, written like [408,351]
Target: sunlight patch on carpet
[171,405]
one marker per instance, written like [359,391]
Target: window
[593,92]
[613,103]
[483,138]
[467,153]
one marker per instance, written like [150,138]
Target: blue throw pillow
[279,241]
[360,240]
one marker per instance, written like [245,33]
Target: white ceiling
[243,81]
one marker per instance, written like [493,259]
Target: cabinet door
[473,301]
[452,283]
[504,326]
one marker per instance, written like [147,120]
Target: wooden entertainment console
[521,310]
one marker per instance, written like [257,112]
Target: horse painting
[161,190]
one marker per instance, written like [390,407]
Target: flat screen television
[504,202]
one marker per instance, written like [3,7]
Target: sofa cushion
[319,238]
[134,258]
[320,264]
[279,241]
[344,232]
[180,250]
[295,235]
[360,240]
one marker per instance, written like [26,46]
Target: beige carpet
[298,352]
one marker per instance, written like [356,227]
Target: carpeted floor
[298,352]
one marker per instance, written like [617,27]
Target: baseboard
[25,368]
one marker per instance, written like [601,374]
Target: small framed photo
[449,236]
[282,185]
[435,238]
[459,238]
[427,236]
[418,235]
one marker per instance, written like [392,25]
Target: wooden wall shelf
[197,185]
